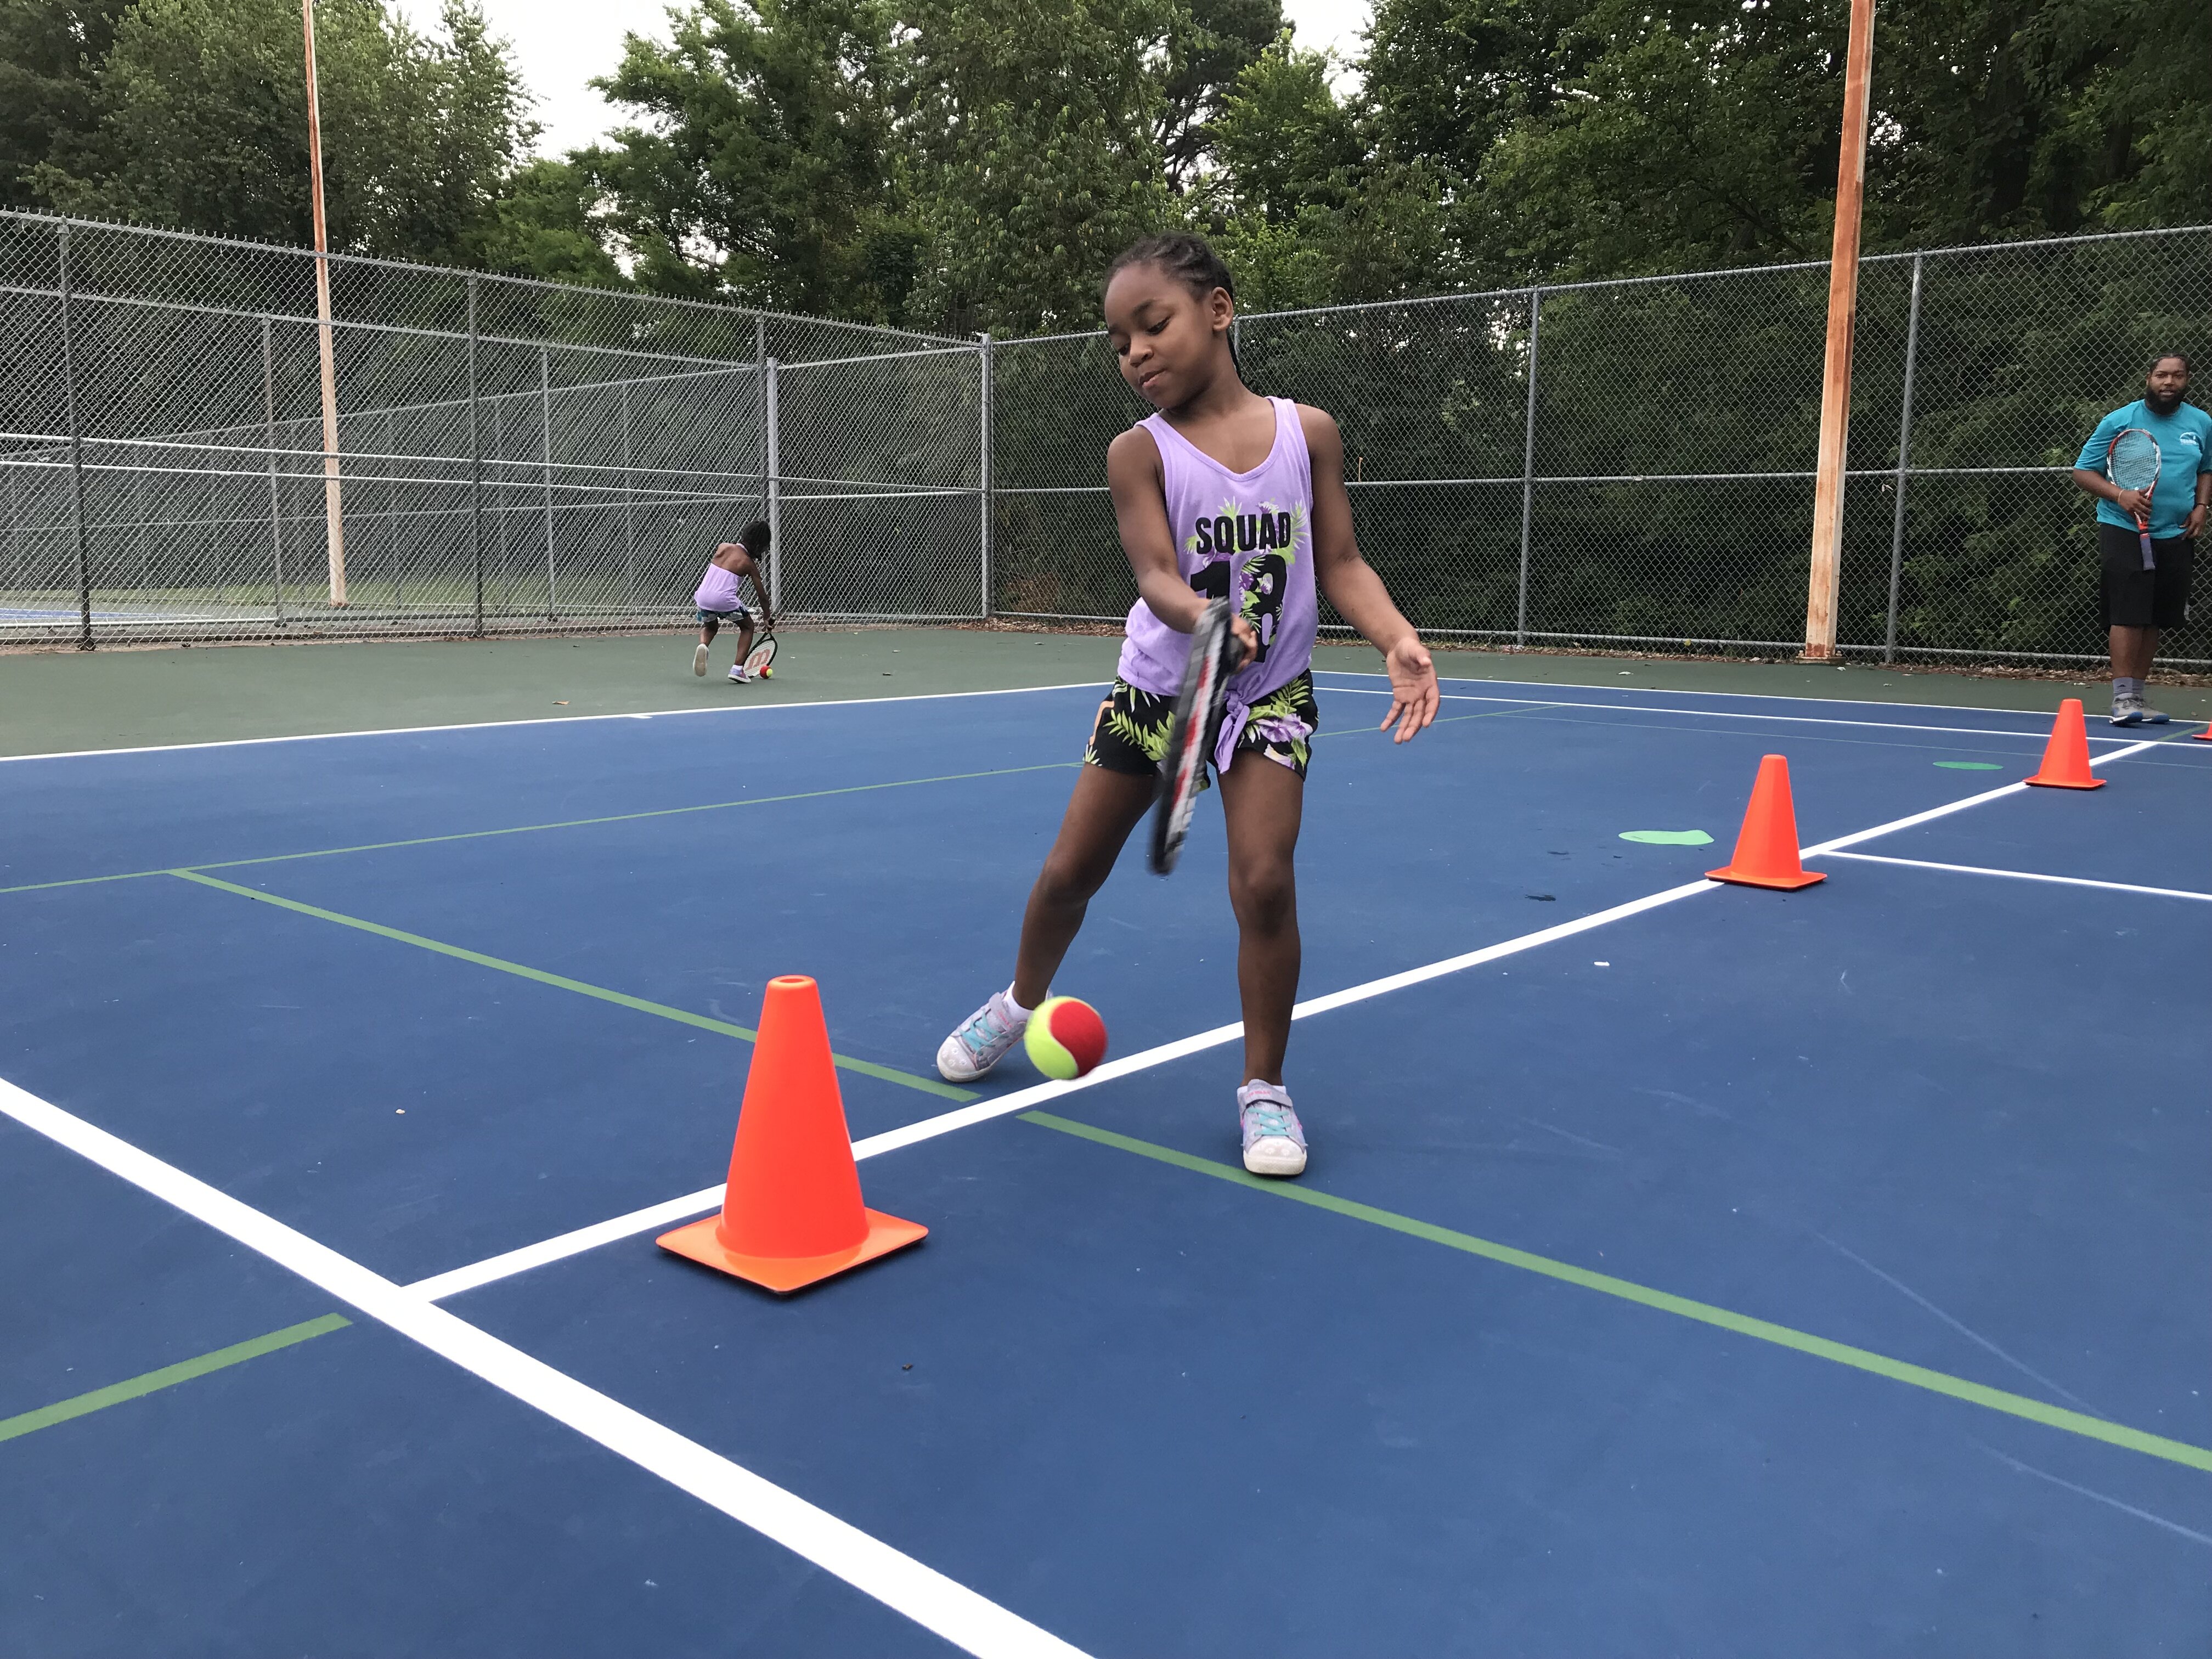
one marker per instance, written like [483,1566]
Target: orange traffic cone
[2205,735]
[1766,846]
[2066,757]
[792,1213]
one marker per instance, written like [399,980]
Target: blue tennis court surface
[1681,1268]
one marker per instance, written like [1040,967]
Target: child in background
[720,596]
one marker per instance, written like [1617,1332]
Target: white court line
[1720,714]
[557,720]
[982,1111]
[2028,875]
[922,1593]
[1684,691]
[507,1264]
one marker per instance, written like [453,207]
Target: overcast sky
[562,44]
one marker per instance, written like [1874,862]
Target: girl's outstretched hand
[1413,694]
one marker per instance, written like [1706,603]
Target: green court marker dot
[1668,837]
[1972,766]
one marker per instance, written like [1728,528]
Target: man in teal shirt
[2138,600]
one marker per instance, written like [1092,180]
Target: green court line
[1897,1370]
[633,818]
[566,824]
[683,1015]
[169,1377]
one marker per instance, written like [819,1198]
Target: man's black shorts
[2132,597]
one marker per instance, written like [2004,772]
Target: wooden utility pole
[333,505]
[1843,318]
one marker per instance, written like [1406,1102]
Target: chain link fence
[188,452]
[1624,464]
[1631,463]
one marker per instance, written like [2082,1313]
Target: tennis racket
[2132,463]
[1190,736]
[758,658]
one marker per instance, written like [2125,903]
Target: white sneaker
[980,1041]
[2127,711]
[699,661]
[737,675]
[1274,1139]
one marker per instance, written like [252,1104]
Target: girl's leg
[1263,801]
[706,633]
[1104,807]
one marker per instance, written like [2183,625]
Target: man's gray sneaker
[2129,711]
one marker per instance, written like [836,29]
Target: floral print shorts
[1131,734]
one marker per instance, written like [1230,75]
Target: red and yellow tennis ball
[1065,1037]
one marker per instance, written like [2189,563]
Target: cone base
[1787,883]
[786,1273]
[2205,735]
[2066,783]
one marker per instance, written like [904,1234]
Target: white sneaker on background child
[699,661]
[738,676]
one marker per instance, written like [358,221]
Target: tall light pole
[333,505]
[1823,587]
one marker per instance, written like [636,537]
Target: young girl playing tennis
[1221,493]
[720,596]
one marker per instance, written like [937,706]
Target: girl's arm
[760,588]
[1352,586]
[1140,512]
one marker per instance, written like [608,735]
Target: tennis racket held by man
[2132,464]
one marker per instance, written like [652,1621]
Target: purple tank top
[718,590]
[1245,534]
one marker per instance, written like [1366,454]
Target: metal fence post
[76,448]
[269,439]
[1903,463]
[546,453]
[983,471]
[772,484]
[760,393]
[475,467]
[630,508]
[392,518]
[1527,476]
[18,566]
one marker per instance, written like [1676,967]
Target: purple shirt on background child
[718,590]
[1246,534]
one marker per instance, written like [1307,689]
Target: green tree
[200,122]
[549,222]
[1036,156]
[48,51]
[1209,45]
[1307,212]
[1597,137]
[762,168]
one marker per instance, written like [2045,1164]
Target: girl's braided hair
[1187,258]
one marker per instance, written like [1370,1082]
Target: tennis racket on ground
[2132,463]
[1190,736]
[762,653]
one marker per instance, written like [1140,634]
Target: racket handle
[2142,538]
